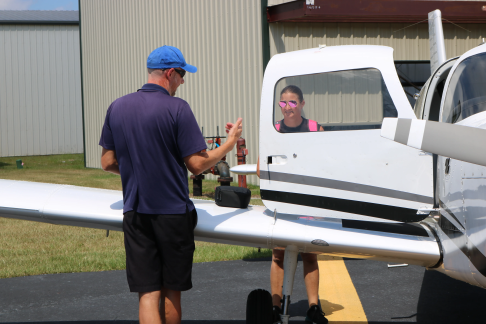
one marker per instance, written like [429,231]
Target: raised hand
[234,130]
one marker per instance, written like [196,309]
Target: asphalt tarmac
[388,295]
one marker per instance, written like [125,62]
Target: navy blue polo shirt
[151,132]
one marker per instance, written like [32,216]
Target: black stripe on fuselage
[343,185]
[394,213]
[476,257]
[395,228]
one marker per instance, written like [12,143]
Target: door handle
[277,159]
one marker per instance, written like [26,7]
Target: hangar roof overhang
[382,11]
[39,17]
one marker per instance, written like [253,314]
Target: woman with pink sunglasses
[291,103]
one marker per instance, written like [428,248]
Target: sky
[38,4]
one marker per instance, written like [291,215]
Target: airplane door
[427,107]
[321,153]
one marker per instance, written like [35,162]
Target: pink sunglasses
[283,103]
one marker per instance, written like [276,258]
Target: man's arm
[109,162]
[201,161]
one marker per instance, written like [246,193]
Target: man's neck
[293,122]
[161,82]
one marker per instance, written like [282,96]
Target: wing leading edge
[254,226]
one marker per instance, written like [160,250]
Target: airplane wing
[254,226]
[244,169]
[458,142]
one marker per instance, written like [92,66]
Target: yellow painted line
[338,297]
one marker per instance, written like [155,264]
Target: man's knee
[149,297]
[173,295]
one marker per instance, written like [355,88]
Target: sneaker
[315,315]
[276,315]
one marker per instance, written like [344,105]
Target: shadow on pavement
[258,259]
[446,300]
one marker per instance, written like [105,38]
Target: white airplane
[346,191]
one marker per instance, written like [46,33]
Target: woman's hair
[293,89]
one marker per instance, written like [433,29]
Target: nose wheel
[259,306]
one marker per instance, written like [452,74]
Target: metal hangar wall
[40,83]
[221,38]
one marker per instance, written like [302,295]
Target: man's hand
[199,162]
[234,130]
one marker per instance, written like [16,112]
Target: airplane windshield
[332,101]
[466,94]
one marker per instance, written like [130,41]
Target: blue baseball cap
[167,57]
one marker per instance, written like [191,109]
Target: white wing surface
[464,143]
[253,226]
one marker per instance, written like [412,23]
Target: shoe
[276,315]
[315,315]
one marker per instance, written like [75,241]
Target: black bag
[235,197]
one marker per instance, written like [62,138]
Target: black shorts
[159,250]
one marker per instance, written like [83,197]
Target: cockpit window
[466,94]
[333,101]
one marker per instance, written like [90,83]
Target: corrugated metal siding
[411,43]
[222,38]
[40,90]
[41,16]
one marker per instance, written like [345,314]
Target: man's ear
[169,72]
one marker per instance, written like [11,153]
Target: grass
[60,169]
[30,248]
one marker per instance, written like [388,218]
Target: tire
[259,307]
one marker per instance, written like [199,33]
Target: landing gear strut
[290,264]
[259,306]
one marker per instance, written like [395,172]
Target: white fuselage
[462,194]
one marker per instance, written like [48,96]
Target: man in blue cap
[151,138]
